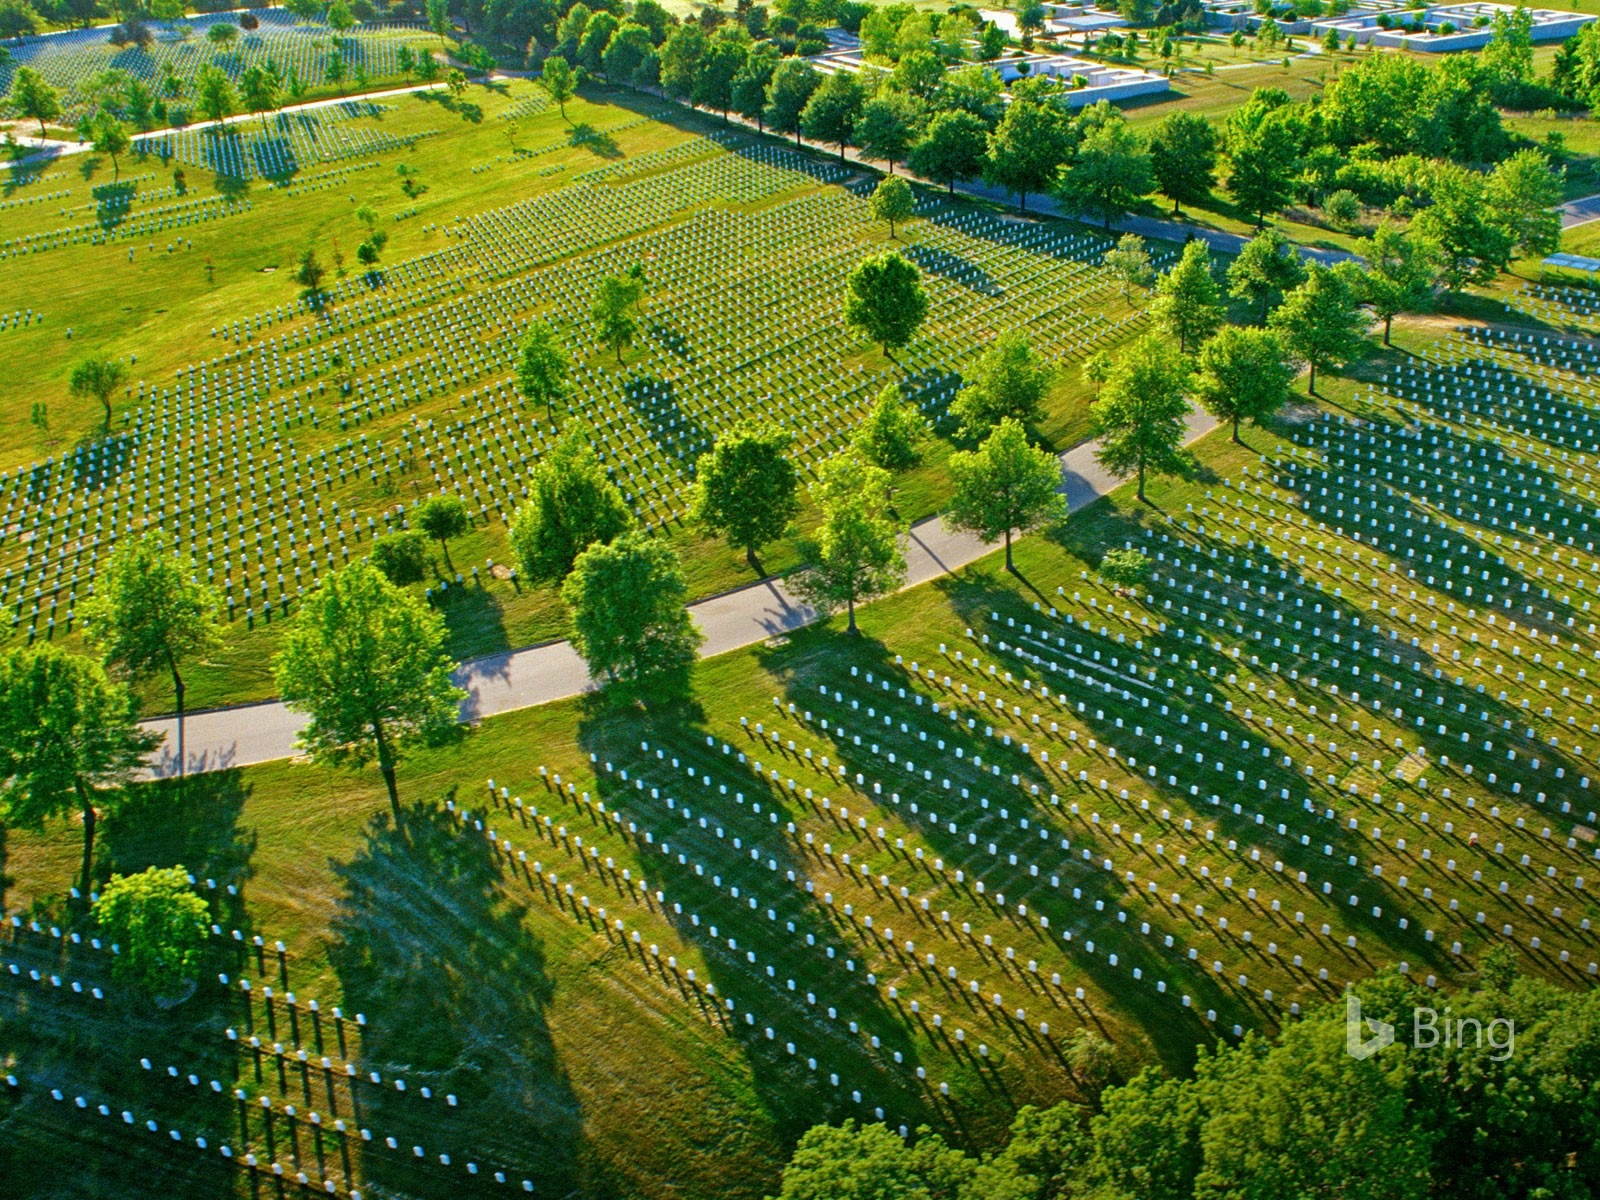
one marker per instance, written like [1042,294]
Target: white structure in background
[1440,28]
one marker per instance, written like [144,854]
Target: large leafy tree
[98,377]
[1129,263]
[216,98]
[1139,414]
[831,114]
[150,616]
[402,557]
[158,925]
[746,489]
[951,150]
[893,202]
[890,124]
[893,432]
[34,98]
[109,136]
[681,59]
[1110,171]
[714,84]
[626,598]
[1474,246]
[1005,485]
[1188,303]
[886,301]
[1027,148]
[571,505]
[261,90]
[1524,194]
[1263,158]
[557,78]
[1244,375]
[1321,322]
[366,662]
[1010,381]
[788,92]
[857,552]
[1402,272]
[749,90]
[542,367]
[1267,266]
[1183,158]
[68,741]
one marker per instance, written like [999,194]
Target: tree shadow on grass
[597,141]
[474,621]
[430,947]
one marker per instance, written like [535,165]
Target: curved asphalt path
[224,738]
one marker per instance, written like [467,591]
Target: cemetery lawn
[454,286]
[1203,805]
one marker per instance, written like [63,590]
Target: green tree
[629,54]
[1009,382]
[339,18]
[441,518]
[1509,55]
[597,34]
[1125,569]
[1005,485]
[1524,196]
[1146,1138]
[542,368]
[571,505]
[406,59]
[150,615]
[1474,246]
[1140,412]
[259,89]
[1110,172]
[215,95]
[886,300]
[366,662]
[222,34]
[309,271]
[401,556]
[856,553]
[682,59]
[714,85]
[788,92]
[557,79]
[1402,272]
[1027,148]
[1321,322]
[892,201]
[749,91]
[951,150]
[100,378]
[626,599]
[870,1162]
[1183,158]
[746,489]
[111,138]
[68,740]
[33,98]
[1267,266]
[892,435]
[1129,264]
[1263,159]
[890,124]
[158,925]
[439,18]
[1244,375]
[615,311]
[830,115]
[1188,303]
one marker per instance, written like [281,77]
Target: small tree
[340,19]
[150,614]
[1244,376]
[366,662]
[886,300]
[110,137]
[1009,381]
[542,368]
[1129,264]
[402,557]
[260,89]
[443,517]
[857,550]
[33,98]
[571,505]
[100,378]
[1320,322]
[746,489]
[893,432]
[439,18]
[615,311]
[1005,485]
[892,201]
[215,95]
[1402,273]
[1188,302]
[158,925]
[309,271]
[1125,569]
[1140,412]
[68,740]
[1267,266]
[626,598]
[557,79]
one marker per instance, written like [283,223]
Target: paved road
[254,733]
[1580,211]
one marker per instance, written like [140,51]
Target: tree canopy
[746,489]
[571,505]
[1005,485]
[1140,411]
[856,552]
[159,926]
[886,301]
[626,598]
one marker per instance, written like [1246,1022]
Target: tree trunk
[177,688]
[1311,387]
[750,558]
[1141,483]
[386,766]
[1236,430]
[850,609]
[444,547]
[1387,321]
[106,400]
[952,185]
[1010,566]
[86,802]
[1022,201]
